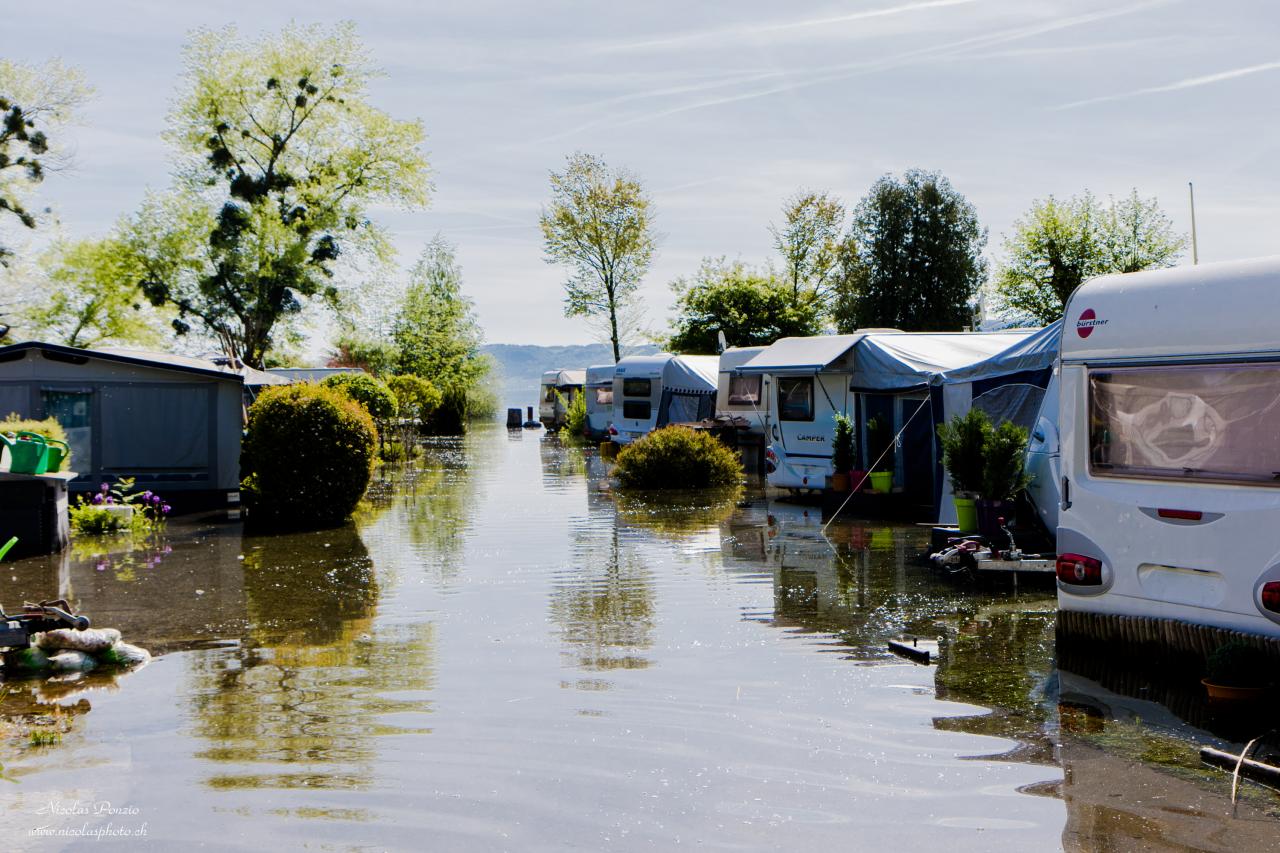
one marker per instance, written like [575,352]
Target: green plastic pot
[966,514]
[882,481]
[28,453]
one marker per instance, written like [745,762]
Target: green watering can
[58,453]
[28,453]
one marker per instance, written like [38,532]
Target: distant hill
[518,367]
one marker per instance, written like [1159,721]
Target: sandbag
[123,654]
[26,660]
[70,660]
[91,640]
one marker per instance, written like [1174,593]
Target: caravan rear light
[1271,596]
[1181,514]
[770,460]
[1079,570]
[613,430]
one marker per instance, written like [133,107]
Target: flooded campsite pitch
[503,653]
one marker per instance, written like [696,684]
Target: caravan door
[807,405]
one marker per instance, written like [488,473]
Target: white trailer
[651,391]
[556,384]
[1170,447]
[599,390]
[743,395]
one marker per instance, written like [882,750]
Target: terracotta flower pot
[1227,693]
[840,482]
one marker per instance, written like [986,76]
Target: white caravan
[911,382]
[599,390]
[742,394]
[562,382]
[1170,439]
[651,391]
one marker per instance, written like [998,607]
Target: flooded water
[500,653]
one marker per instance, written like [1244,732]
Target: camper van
[742,394]
[1170,447]
[651,391]
[557,384]
[906,383]
[599,390]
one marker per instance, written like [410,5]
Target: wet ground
[501,653]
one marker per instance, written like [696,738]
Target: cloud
[1188,83]
[737,33]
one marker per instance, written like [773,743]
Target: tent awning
[801,354]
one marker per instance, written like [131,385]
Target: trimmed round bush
[377,399]
[307,457]
[677,457]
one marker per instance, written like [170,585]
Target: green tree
[354,349]
[437,336]
[1058,245]
[378,399]
[280,157]
[92,298]
[417,397]
[751,307]
[599,225]
[33,102]
[918,261]
[809,241]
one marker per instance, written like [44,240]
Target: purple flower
[146,496]
[155,499]
[165,509]
[97,498]
[104,488]
[111,499]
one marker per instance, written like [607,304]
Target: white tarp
[898,362]
[564,378]
[696,374]
[599,376]
[801,354]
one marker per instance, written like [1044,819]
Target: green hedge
[371,393]
[307,457]
[677,457]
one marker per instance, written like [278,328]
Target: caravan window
[604,396]
[637,388]
[1201,422]
[548,393]
[745,390]
[795,398]
[638,410]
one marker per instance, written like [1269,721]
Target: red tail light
[1271,596]
[613,430]
[1180,514]
[1079,570]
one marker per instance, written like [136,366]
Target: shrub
[575,416]
[49,428]
[307,457]
[964,447]
[373,394]
[678,458]
[416,396]
[91,516]
[1004,473]
[842,445]
[1239,664]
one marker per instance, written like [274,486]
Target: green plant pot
[966,514]
[882,481]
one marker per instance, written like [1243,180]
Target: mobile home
[172,422]
[908,382]
[599,390]
[742,394]
[651,391]
[557,384]
[1170,449]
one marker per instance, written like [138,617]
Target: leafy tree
[1058,245]
[91,298]
[280,157]
[809,242]
[918,261]
[437,336]
[751,307]
[599,225]
[32,102]
[353,349]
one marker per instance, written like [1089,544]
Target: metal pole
[1195,253]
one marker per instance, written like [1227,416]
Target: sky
[725,109]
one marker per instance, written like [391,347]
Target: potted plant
[1237,671]
[1003,475]
[964,449]
[842,453]
[880,441]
